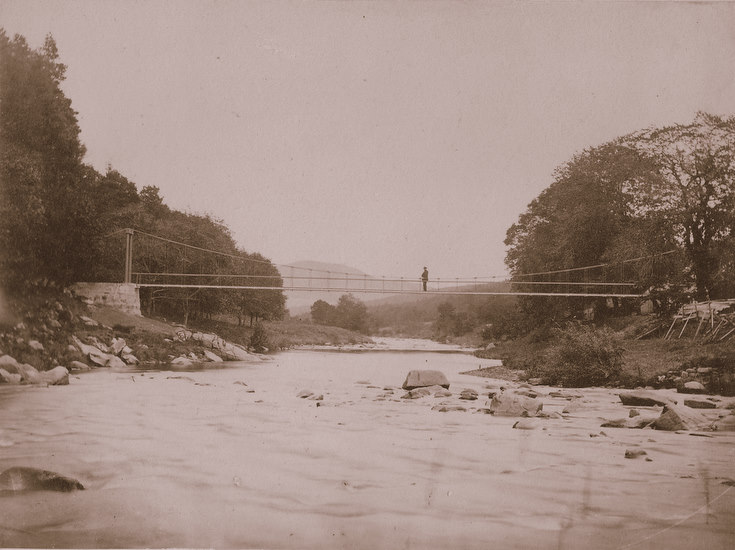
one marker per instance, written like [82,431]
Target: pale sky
[382,135]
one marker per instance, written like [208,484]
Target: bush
[259,339]
[581,356]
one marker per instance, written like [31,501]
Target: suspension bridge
[167,263]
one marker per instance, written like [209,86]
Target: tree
[351,313]
[694,191]
[47,222]
[573,223]
[322,313]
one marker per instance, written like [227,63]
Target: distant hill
[320,275]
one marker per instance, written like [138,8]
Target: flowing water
[231,457]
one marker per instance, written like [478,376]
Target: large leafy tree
[665,195]
[694,192]
[48,224]
[573,223]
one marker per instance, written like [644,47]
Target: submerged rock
[635,453]
[32,479]
[424,378]
[417,393]
[448,408]
[525,424]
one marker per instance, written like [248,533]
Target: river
[231,457]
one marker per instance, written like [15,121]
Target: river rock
[448,408]
[9,364]
[635,453]
[512,404]
[88,321]
[182,362]
[692,387]
[232,352]
[424,378]
[9,377]
[441,392]
[32,479]
[130,359]
[303,394]
[118,345]
[58,376]
[78,365]
[35,345]
[29,374]
[468,395]
[642,398]
[212,356]
[94,354]
[525,424]
[416,393]
[676,417]
[699,404]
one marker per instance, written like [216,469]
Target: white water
[205,463]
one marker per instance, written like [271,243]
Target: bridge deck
[446,292]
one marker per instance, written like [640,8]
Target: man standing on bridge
[425,277]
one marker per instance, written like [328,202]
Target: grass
[644,360]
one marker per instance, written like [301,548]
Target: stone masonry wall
[122,296]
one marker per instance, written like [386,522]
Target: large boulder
[182,362]
[58,376]
[641,398]
[78,365]
[512,404]
[32,479]
[232,352]
[677,417]
[113,361]
[425,378]
[29,374]
[9,377]
[95,355]
[212,356]
[692,387]
[9,364]
[118,345]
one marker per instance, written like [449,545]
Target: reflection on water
[230,457]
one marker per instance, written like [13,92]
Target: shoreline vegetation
[55,329]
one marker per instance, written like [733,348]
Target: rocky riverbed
[329,450]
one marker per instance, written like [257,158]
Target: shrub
[259,339]
[581,356]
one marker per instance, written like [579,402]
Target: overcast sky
[382,135]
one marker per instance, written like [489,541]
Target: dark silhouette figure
[425,277]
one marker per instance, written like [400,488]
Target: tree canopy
[60,219]
[666,195]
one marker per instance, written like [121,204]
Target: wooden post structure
[128,277]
